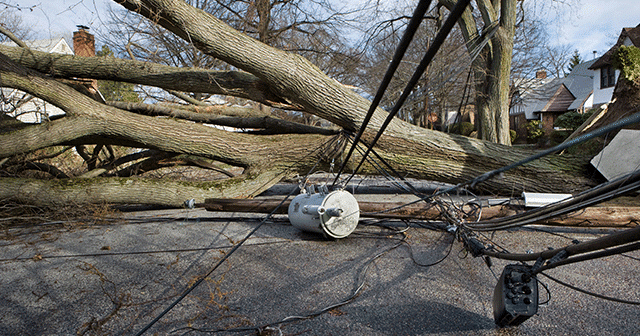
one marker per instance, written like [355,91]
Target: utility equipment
[334,214]
[515,297]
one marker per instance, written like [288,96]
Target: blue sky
[595,25]
[585,25]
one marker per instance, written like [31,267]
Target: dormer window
[607,77]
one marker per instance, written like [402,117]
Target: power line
[439,39]
[412,27]
[230,252]
[584,291]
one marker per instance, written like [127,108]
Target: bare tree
[270,76]
[11,24]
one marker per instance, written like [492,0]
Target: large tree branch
[132,191]
[87,118]
[223,118]
[292,76]
[488,11]
[414,152]
[295,78]
[232,83]
[12,37]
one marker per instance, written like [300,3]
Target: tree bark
[130,190]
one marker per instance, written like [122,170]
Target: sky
[595,25]
[585,25]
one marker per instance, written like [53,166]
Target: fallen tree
[271,77]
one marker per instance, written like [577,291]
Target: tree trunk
[492,68]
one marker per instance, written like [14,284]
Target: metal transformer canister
[334,214]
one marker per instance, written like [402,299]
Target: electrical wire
[293,318]
[608,241]
[478,43]
[587,198]
[584,291]
[349,299]
[546,288]
[438,40]
[407,37]
[595,255]
[229,253]
[630,120]
[410,249]
[107,254]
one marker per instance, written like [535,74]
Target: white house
[590,84]
[605,77]
[23,106]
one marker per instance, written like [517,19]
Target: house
[542,99]
[590,84]
[25,107]
[545,99]
[605,77]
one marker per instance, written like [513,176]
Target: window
[607,77]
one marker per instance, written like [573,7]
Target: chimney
[541,74]
[83,42]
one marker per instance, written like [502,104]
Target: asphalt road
[113,278]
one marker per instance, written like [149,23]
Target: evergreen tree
[575,60]
[116,91]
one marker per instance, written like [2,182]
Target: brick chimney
[541,74]
[83,42]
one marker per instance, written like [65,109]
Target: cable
[227,255]
[439,39]
[360,285]
[412,27]
[197,283]
[600,193]
[409,247]
[584,291]
[135,252]
[590,256]
[632,119]
[546,288]
[383,172]
[611,240]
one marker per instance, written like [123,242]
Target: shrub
[514,135]
[534,132]
[463,128]
[557,137]
[572,120]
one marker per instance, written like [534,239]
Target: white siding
[602,96]
[35,110]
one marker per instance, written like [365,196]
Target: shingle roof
[632,33]
[580,82]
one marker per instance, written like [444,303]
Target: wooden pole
[599,216]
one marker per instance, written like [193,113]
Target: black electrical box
[515,298]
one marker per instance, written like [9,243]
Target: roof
[557,94]
[580,83]
[632,33]
[537,93]
[57,45]
[560,101]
